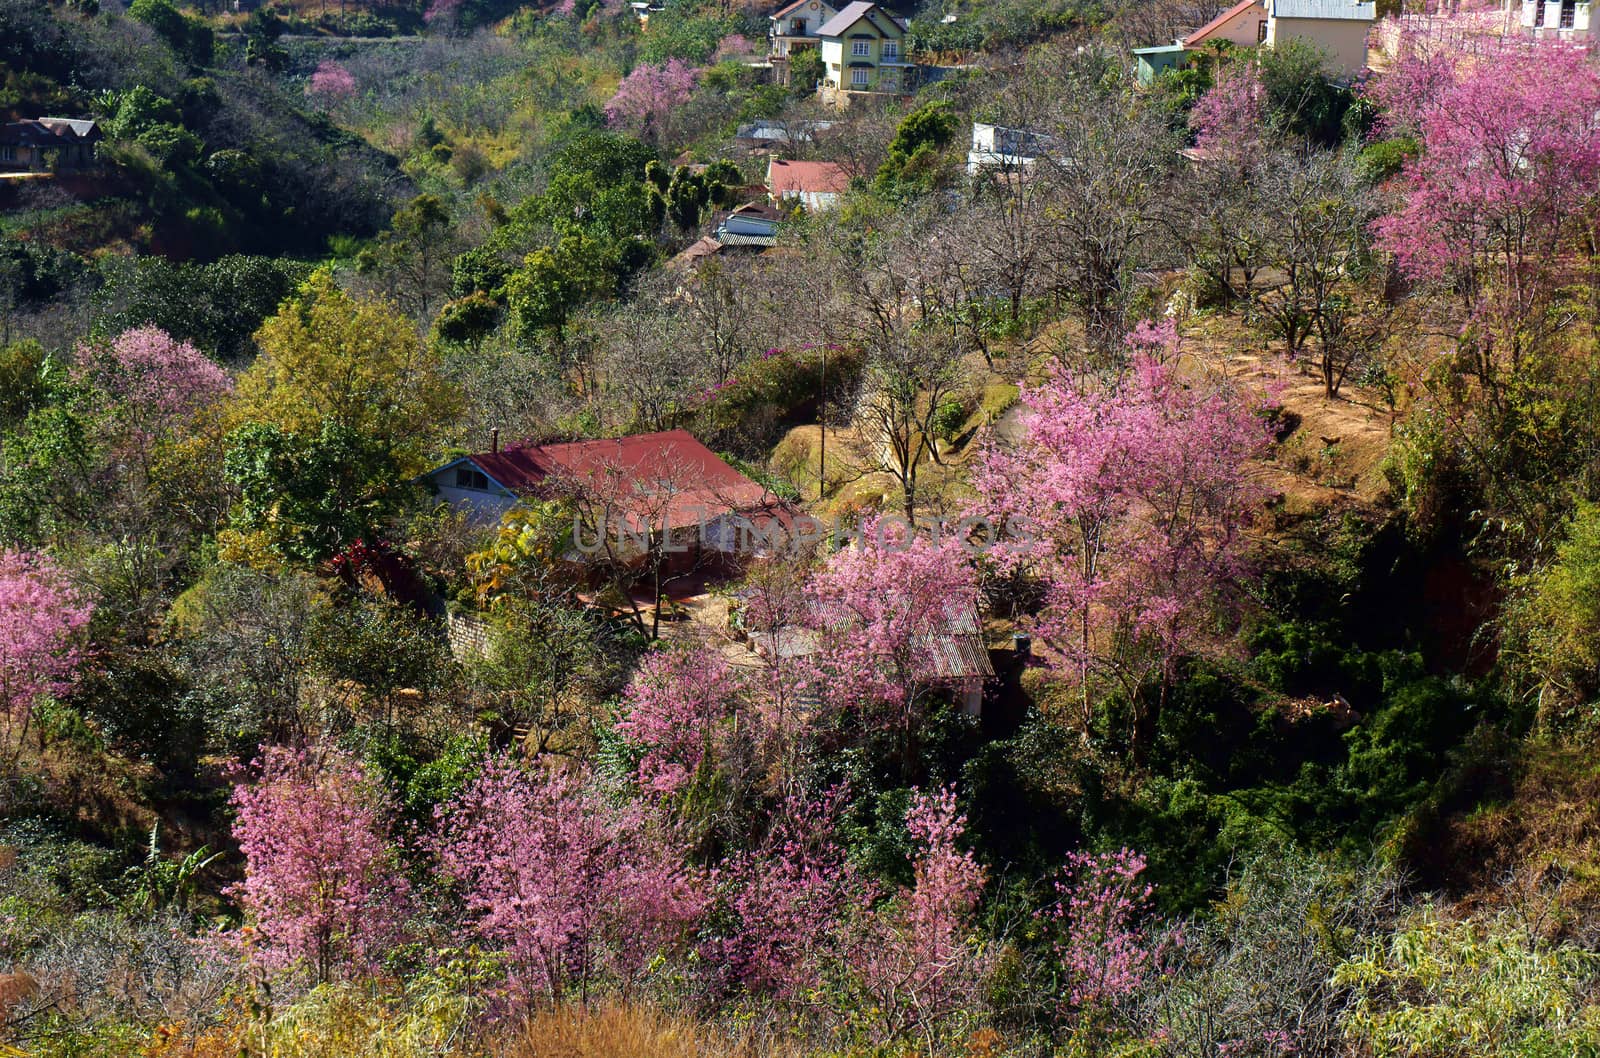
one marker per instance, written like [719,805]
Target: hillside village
[699,527]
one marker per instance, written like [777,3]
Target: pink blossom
[791,895]
[333,82]
[156,384]
[320,879]
[42,620]
[1228,117]
[1507,175]
[917,957]
[883,610]
[1134,497]
[566,882]
[647,97]
[1105,951]
[674,706]
[733,46]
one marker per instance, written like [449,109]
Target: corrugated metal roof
[642,471]
[1345,10]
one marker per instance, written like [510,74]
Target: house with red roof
[637,492]
[1243,25]
[814,185]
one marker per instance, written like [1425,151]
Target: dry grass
[617,1031]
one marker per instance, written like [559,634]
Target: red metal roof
[1199,35]
[642,473]
[794,178]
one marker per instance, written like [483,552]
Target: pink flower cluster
[563,880]
[647,96]
[320,879]
[1510,158]
[155,383]
[673,708]
[881,610]
[1136,496]
[1101,941]
[332,82]
[42,619]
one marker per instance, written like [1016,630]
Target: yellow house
[863,50]
[1338,27]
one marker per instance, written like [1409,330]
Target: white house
[1558,19]
[1004,149]
[1339,27]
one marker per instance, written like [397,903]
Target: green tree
[311,494]
[554,281]
[912,163]
[357,366]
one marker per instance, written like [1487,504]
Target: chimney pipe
[494,440]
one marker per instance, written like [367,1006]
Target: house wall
[1344,40]
[484,508]
[839,59]
[1242,29]
[1582,19]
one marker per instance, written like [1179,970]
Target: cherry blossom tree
[880,609]
[1099,934]
[1132,495]
[42,620]
[320,884]
[1228,119]
[332,82]
[919,961]
[733,46]
[156,385]
[1507,182]
[648,96]
[674,706]
[791,895]
[564,881]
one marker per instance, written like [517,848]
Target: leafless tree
[1108,165]
[913,365]
[650,366]
[1321,210]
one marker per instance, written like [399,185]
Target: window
[891,50]
[1538,12]
[1569,13]
[797,28]
[858,78]
[468,478]
[1261,31]
[8,154]
[860,48]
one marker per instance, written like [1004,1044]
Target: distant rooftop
[853,13]
[1344,10]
